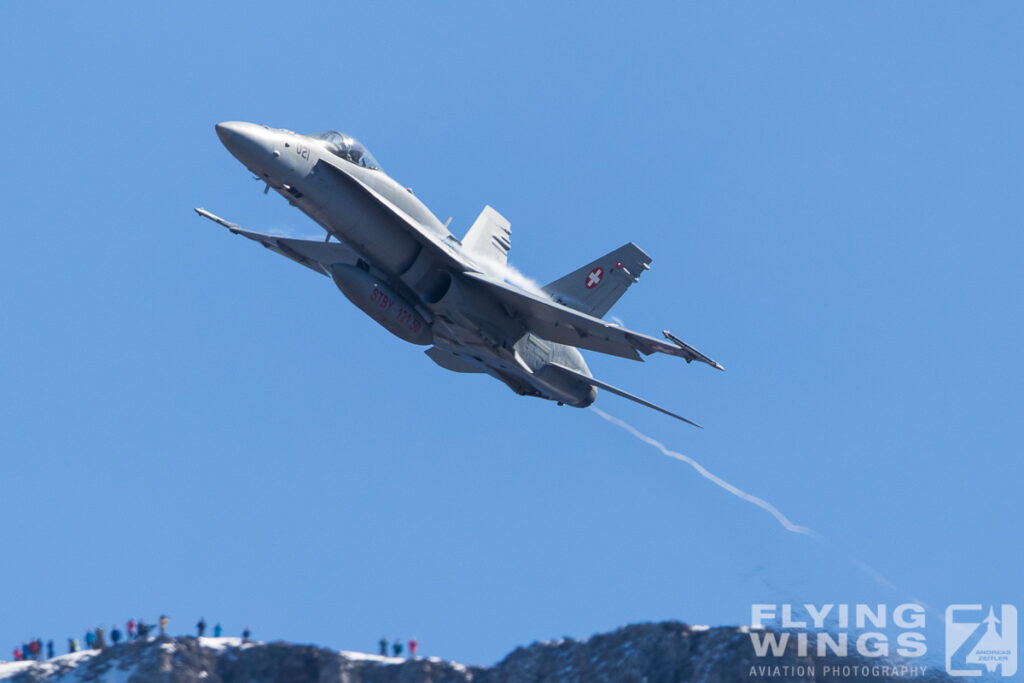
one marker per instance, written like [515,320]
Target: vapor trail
[512,274]
[765,505]
[759,502]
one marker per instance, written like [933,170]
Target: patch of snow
[220,644]
[11,669]
[699,627]
[363,657]
[47,667]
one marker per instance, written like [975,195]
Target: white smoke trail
[759,502]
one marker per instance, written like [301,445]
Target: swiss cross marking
[594,278]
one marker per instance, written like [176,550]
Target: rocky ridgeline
[668,652]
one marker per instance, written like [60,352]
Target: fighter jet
[399,264]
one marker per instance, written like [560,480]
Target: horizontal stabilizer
[624,394]
[313,254]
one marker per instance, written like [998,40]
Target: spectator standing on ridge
[115,635]
[413,644]
[18,656]
[90,639]
[130,628]
[101,643]
[397,647]
[72,644]
[245,635]
[201,626]
[163,624]
[383,647]
[33,649]
[143,629]
[49,649]
[217,630]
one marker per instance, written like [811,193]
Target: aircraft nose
[234,132]
[225,130]
[248,142]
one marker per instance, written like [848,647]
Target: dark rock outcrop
[668,652]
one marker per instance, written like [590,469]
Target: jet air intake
[381,303]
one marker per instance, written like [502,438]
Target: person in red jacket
[413,644]
[130,628]
[17,654]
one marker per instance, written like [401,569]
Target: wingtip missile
[693,353]
[217,219]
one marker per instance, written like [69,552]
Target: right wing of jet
[563,325]
[313,254]
[619,392]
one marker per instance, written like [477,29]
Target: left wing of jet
[563,325]
[313,254]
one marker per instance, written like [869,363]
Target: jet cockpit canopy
[348,148]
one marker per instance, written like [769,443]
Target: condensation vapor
[510,274]
[759,502]
[743,495]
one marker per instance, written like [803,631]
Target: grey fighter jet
[399,264]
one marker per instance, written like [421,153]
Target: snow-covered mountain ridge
[669,652]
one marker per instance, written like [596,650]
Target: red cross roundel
[594,277]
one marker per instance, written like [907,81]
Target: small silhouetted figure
[72,644]
[101,642]
[130,628]
[217,630]
[163,624]
[34,646]
[143,629]
[245,635]
[413,644]
[397,648]
[115,635]
[90,639]
[18,655]
[383,647]
[49,649]
[201,626]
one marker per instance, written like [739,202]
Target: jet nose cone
[228,129]
[248,142]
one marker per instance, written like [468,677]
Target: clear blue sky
[190,424]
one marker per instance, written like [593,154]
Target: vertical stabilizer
[596,287]
[489,238]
